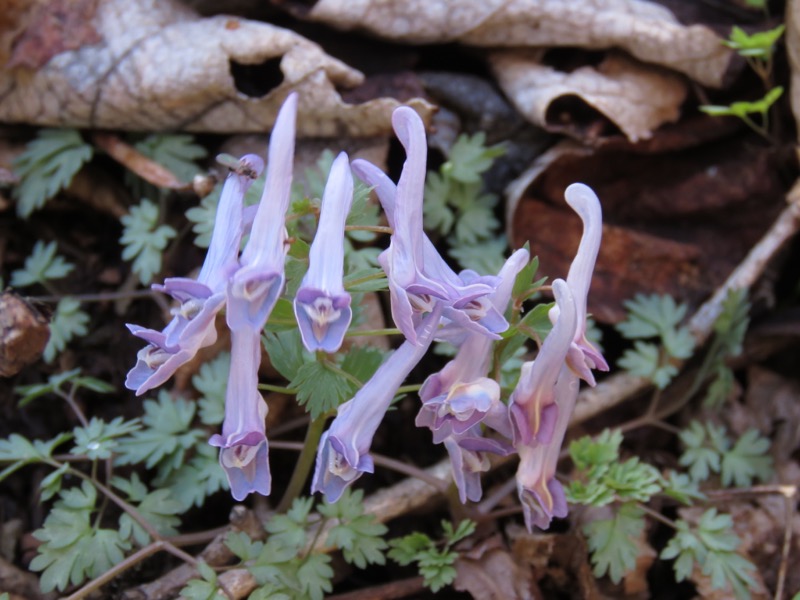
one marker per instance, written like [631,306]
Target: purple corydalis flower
[418,276]
[321,305]
[540,493]
[343,454]
[583,356]
[256,286]
[192,326]
[532,407]
[461,395]
[243,443]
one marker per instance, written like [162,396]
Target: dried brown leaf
[54,26]
[634,97]
[24,332]
[158,66]
[675,223]
[646,30]
[489,572]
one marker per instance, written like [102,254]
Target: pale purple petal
[343,453]
[583,356]
[535,390]
[541,495]
[256,286]
[321,305]
[244,452]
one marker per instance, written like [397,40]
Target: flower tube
[321,305]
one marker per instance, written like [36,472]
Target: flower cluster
[461,405]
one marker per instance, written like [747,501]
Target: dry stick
[618,388]
[788,492]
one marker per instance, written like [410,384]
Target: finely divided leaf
[48,165]
[41,266]
[613,544]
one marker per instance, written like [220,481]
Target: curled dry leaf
[489,572]
[675,223]
[644,29]
[158,66]
[24,332]
[634,97]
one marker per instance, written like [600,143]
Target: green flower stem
[364,279]
[267,387]
[373,228]
[304,462]
[657,515]
[372,332]
[409,389]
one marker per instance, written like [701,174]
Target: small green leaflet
[645,360]
[196,480]
[712,545]
[42,265]
[205,588]
[98,439]
[469,158]
[72,550]
[744,109]
[166,435]
[320,388]
[757,45]
[176,153]
[212,382]
[612,542]
[359,536]
[48,165]
[67,323]
[144,239]
[57,381]
[709,450]
[435,565]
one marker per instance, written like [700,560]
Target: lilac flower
[321,305]
[540,493]
[243,443]
[583,356]
[256,286]
[418,276]
[192,325]
[343,454]
[532,407]
[460,395]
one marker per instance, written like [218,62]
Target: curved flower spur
[256,286]
[418,276]
[192,325]
[321,305]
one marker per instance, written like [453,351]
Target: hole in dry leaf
[571,112]
[258,80]
[567,60]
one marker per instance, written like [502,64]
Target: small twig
[388,591]
[384,461]
[373,228]
[118,569]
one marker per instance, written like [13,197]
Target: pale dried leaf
[489,572]
[158,66]
[635,97]
[646,30]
